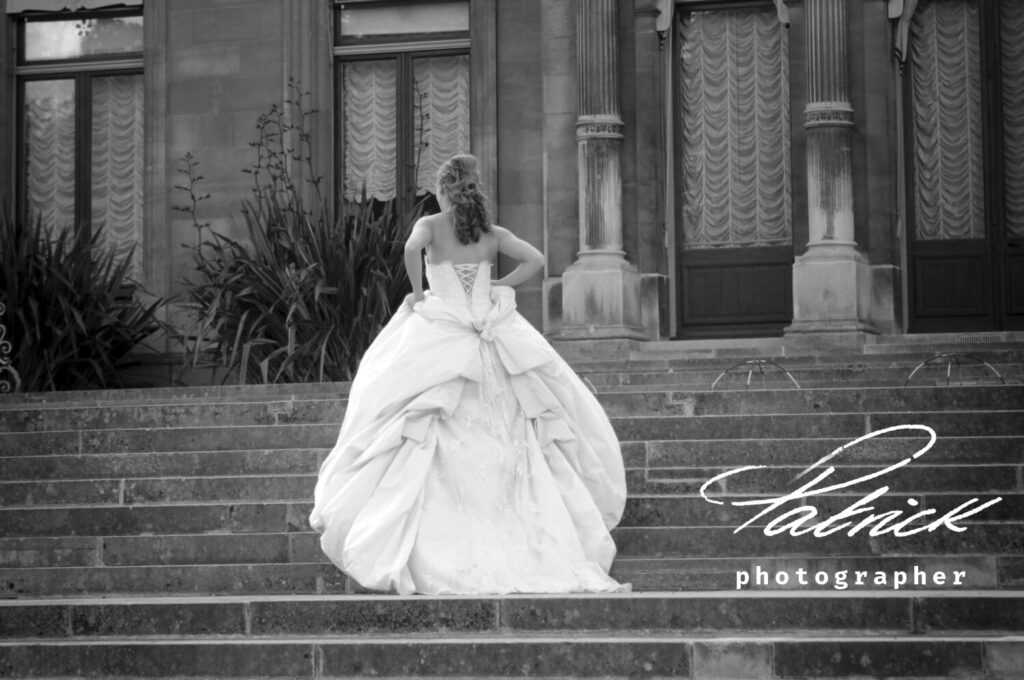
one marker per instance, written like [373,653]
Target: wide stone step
[784,377]
[642,656]
[273,545]
[657,455]
[980,538]
[299,578]
[830,574]
[163,464]
[633,428]
[637,401]
[921,612]
[715,356]
[925,475]
[282,503]
[837,575]
[882,451]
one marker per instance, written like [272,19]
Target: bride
[471,460]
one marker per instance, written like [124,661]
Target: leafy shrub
[68,320]
[304,297]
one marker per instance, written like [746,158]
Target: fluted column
[832,280]
[599,129]
[601,290]
[828,119]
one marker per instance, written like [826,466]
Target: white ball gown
[471,459]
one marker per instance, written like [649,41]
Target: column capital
[828,114]
[608,126]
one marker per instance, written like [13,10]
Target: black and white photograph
[512,339]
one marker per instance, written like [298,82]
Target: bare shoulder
[427,221]
[422,233]
[501,233]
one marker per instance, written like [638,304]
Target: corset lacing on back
[467,277]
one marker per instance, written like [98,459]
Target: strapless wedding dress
[472,459]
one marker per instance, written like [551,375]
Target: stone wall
[225,66]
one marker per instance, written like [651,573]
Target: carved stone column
[832,280]
[601,290]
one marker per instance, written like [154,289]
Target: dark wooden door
[732,152]
[735,292]
[965,132]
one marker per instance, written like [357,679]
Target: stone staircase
[163,533]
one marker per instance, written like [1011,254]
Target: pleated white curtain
[116,158]
[117,161]
[50,151]
[735,122]
[371,128]
[1012,28]
[370,108]
[441,115]
[945,71]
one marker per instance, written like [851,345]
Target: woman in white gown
[471,460]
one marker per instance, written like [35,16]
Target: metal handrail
[952,358]
[751,365]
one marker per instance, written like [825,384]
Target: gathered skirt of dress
[471,460]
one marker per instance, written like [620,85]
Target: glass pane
[734,78]
[82,37]
[945,72]
[369,107]
[440,115]
[1012,27]
[422,17]
[49,128]
[117,148]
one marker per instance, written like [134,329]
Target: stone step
[628,428]
[233,504]
[273,546]
[743,379]
[829,574]
[163,464]
[835,575]
[814,401]
[294,578]
[769,657]
[881,450]
[794,426]
[926,475]
[782,612]
[667,356]
[980,538]
[625,400]
[654,454]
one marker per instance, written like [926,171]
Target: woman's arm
[530,259]
[414,245]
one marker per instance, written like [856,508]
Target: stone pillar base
[601,299]
[832,285]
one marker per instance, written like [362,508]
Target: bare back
[444,246]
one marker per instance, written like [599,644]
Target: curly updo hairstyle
[459,182]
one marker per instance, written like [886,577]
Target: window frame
[403,51]
[81,70]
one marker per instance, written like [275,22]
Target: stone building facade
[691,168]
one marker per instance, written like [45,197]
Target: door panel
[733,193]
[951,282]
[965,127]
[736,292]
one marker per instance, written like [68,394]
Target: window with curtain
[80,87]
[734,109]
[945,73]
[403,98]
[947,68]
